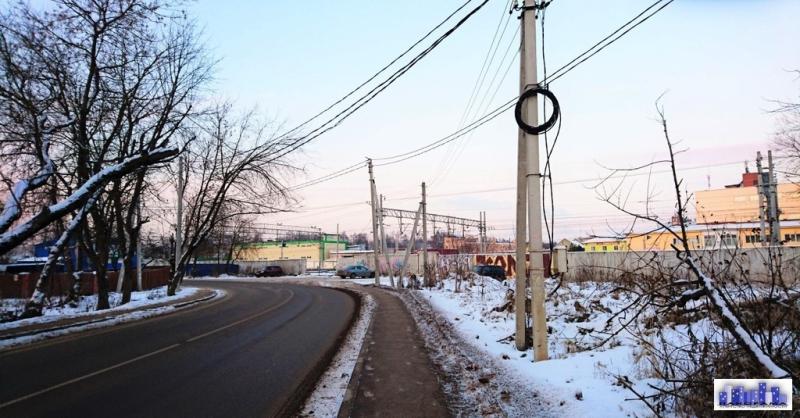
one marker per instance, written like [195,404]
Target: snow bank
[578,380]
[87,305]
[138,308]
[330,391]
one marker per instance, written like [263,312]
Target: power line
[452,137]
[459,149]
[488,59]
[340,117]
[566,68]
[569,66]
[374,76]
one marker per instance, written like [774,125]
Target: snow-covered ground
[87,304]
[579,379]
[138,308]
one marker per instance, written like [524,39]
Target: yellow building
[714,236]
[729,218]
[311,250]
[605,244]
[740,204]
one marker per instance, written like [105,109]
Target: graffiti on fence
[508,262]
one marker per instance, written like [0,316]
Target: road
[244,355]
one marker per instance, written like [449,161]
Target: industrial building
[311,250]
[730,217]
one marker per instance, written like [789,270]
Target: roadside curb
[112,317]
[346,408]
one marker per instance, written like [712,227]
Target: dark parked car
[271,271]
[355,271]
[495,272]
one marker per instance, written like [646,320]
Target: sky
[718,64]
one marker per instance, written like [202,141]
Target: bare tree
[732,305]
[233,165]
[787,137]
[95,90]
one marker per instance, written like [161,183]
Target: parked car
[271,271]
[354,271]
[495,272]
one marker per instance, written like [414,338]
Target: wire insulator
[536,130]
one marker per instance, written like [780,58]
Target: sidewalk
[100,316]
[394,376]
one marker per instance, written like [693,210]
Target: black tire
[352,275]
[372,275]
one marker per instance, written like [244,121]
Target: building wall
[308,250]
[740,204]
[663,240]
[605,246]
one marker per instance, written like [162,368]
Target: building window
[752,239]
[604,248]
[616,247]
[729,240]
[710,241]
[791,237]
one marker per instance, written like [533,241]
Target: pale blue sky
[720,61]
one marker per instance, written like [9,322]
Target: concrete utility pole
[384,249]
[528,80]
[762,200]
[373,205]
[428,280]
[179,220]
[411,242]
[774,218]
[337,247]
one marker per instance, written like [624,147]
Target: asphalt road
[245,355]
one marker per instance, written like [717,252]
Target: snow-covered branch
[733,324]
[11,208]
[15,236]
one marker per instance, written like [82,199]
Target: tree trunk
[127,278]
[102,286]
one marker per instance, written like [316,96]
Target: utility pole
[762,200]
[321,251]
[384,249]
[528,79]
[411,242]
[337,247]
[179,220]
[774,221]
[428,280]
[373,196]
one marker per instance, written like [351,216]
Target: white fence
[750,263]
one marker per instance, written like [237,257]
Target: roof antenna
[746,167]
